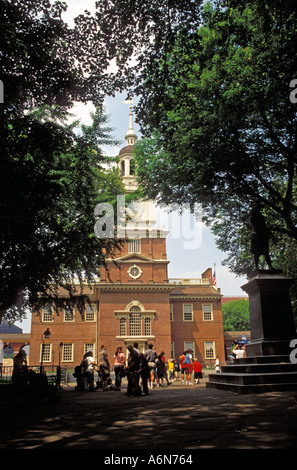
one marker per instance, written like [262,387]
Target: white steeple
[131,137]
[126,155]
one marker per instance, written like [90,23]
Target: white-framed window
[47,314]
[89,347]
[134,246]
[68,314]
[207,312]
[171,313]
[190,345]
[90,312]
[147,326]
[188,312]
[67,352]
[46,356]
[135,322]
[122,168]
[209,349]
[172,349]
[123,326]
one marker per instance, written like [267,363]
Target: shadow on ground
[175,417]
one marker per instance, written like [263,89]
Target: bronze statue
[260,237]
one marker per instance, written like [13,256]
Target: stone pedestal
[271,319]
[267,366]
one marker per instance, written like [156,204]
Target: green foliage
[51,178]
[236,315]
[51,181]
[215,110]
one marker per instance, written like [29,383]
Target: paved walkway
[169,418]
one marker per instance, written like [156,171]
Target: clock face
[134,272]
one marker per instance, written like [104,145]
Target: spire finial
[131,136]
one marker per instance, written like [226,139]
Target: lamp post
[59,367]
[45,335]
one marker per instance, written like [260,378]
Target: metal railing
[52,372]
[194,281]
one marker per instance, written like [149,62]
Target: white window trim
[73,316]
[50,353]
[44,312]
[171,313]
[93,304]
[192,313]
[205,319]
[72,351]
[213,348]
[186,347]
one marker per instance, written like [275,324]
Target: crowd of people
[144,371]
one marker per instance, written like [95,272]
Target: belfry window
[122,168]
[134,246]
[132,167]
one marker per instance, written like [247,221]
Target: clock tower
[134,305]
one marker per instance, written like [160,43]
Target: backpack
[187,360]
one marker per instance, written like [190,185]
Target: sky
[191,246]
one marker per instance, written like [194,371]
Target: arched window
[135,321]
[123,168]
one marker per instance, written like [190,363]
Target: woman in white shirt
[118,366]
[238,352]
[217,365]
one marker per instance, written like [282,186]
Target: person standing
[144,372]
[88,366]
[132,371]
[104,367]
[20,370]
[188,366]
[151,356]
[118,366]
[165,375]
[182,366]
[176,370]
[171,369]
[197,368]
[135,346]
[238,352]
[217,365]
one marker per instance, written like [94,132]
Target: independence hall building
[136,302]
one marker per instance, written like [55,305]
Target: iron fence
[53,373]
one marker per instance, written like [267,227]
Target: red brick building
[136,302]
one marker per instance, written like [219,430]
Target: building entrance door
[141,346]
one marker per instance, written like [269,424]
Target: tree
[49,192]
[214,104]
[236,315]
[51,178]
[225,124]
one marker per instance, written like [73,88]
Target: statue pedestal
[267,366]
[271,319]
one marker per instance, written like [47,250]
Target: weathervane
[130,102]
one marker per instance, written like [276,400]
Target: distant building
[12,339]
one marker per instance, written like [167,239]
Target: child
[197,367]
